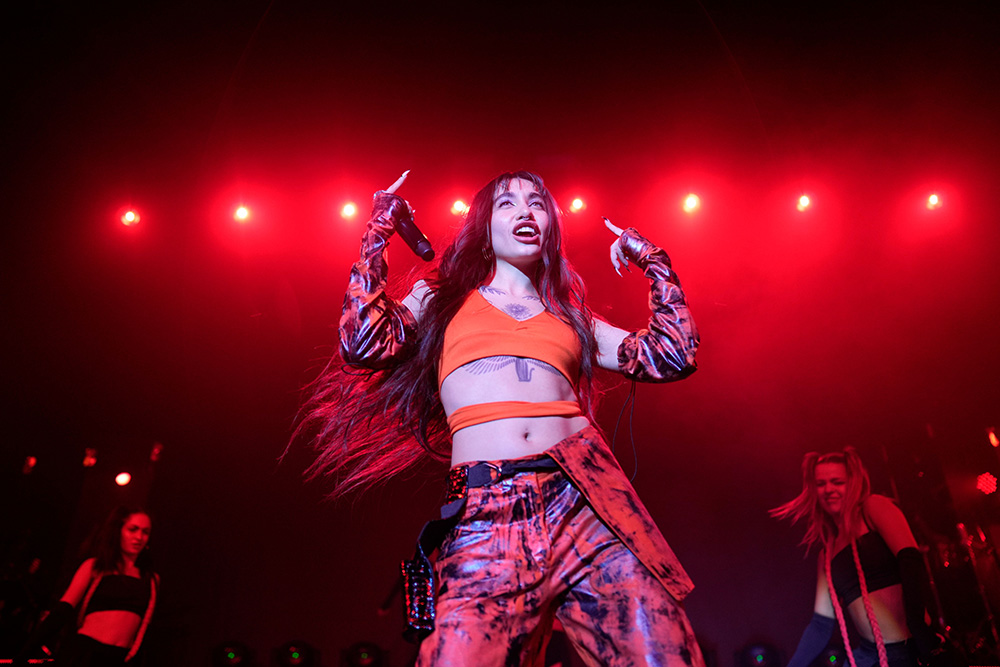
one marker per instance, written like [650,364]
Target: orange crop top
[480,329]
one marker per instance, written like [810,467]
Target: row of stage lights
[123,478]
[296,653]
[690,205]
[986,482]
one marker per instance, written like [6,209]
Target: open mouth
[527,231]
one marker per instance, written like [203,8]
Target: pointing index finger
[613,228]
[399,181]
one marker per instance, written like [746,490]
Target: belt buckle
[496,472]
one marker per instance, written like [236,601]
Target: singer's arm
[665,351]
[375,330]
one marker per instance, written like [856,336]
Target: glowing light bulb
[986,483]
[803,203]
[130,218]
[933,202]
[577,205]
[123,478]
[242,213]
[692,203]
[89,457]
[459,207]
[349,210]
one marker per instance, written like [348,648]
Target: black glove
[814,639]
[913,576]
[45,633]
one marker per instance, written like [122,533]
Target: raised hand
[617,254]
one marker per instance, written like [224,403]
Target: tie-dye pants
[529,549]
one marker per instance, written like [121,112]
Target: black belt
[465,477]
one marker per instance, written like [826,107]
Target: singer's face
[520,224]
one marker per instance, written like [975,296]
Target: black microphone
[408,231]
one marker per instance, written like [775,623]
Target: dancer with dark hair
[868,551]
[111,597]
[488,363]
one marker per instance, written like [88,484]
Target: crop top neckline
[479,330]
[877,561]
[120,592]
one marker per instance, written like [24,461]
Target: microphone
[414,238]
[407,229]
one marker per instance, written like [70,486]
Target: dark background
[868,320]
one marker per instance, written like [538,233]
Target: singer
[488,363]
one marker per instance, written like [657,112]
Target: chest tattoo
[522,366]
[517,310]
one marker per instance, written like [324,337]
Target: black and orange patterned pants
[528,550]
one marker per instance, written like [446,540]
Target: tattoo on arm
[522,366]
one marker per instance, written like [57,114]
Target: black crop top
[877,561]
[122,593]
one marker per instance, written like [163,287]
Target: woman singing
[488,363]
[870,555]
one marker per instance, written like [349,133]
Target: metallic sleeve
[376,331]
[665,351]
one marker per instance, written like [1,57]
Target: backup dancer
[870,555]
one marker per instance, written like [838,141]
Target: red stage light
[804,203]
[459,207]
[130,218]
[89,457]
[986,483]
[349,210]
[29,464]
[933,202]
[991,433]
[577,205]
[242,213]
[692,203]
[123,478]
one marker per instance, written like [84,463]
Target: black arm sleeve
[814,639]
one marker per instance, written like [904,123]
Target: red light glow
[986,483]
[803,203]
[577,205]
[89,457]
[349,210]
[129,218]
[123,478]
[692,203]
[242,213]
[933,202]
[459,207]
[991,433]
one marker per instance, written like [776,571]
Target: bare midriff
[112,627]
[887,603]
[513,437]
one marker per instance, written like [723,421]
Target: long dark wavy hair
[367,426]
[105,546]
[821,528]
